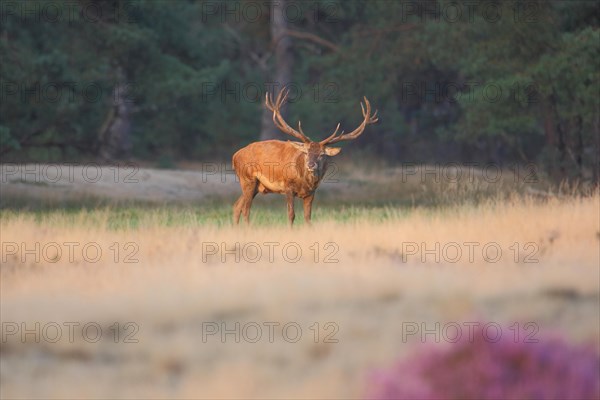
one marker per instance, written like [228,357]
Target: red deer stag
[285,167]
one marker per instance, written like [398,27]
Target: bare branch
[311,37]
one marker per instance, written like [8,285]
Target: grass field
[192,307]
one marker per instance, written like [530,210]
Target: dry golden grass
[372,286]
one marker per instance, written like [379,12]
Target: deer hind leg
[237,209]
[243,204]
[249,192]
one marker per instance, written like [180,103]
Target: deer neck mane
[313,178]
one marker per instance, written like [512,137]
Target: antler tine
[368,105]
[325,141]
[274,108]
[337,128]
[300,128]
[374,118]
[282,97]
[278,119]
[368,119]
[269,101]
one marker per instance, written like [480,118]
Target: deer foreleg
[290,207]
[308,208]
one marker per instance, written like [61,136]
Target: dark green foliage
[196,72]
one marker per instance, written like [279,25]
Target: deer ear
[299,145]
[332,151]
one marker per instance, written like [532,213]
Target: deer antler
[278,119]
[369,119]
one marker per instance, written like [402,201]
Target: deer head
[316,153]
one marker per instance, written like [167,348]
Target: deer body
[293,169]
[281,167]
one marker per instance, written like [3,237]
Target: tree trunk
[282,73]
[115,133]
[549,127]
[579,145]
[596,133]
[561,144]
